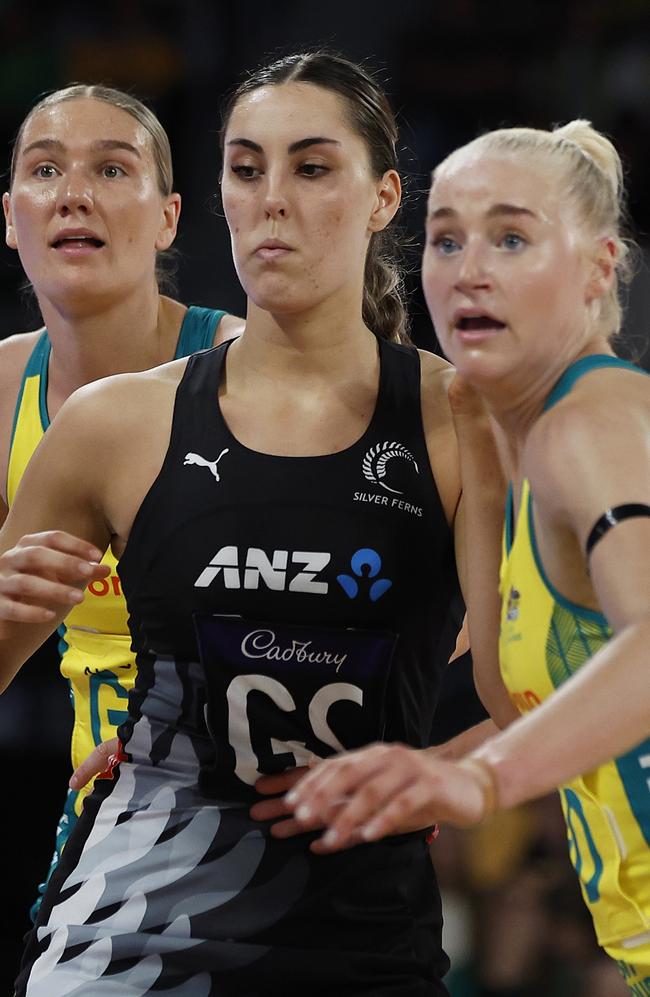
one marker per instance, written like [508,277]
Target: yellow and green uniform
[95,645]
[544,639]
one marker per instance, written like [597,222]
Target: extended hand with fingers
[389,789]
[45,573]
[276,808]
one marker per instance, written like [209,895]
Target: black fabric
[296,552]
[264,507]
[612,517]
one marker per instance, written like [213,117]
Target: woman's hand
[277,809]
[389,789]
[44,572]
[102,759]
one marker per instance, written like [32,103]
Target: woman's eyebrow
[54,144]
[302,143]
[512,210]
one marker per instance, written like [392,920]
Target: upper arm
[479,525]
[60,490]
[591,458]
[61,486]
[442,448]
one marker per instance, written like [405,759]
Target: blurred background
[515,924]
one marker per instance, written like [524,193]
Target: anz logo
[293,571]
[365,563]
[271,571]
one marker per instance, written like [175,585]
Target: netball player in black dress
[283,508]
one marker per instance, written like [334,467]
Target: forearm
[468,740]
[598,714]
[479,528]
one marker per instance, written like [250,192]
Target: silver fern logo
[376,459]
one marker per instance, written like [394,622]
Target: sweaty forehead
[84,120]
[475,178]
[292,109]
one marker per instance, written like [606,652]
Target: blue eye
[512,241]
[446,245]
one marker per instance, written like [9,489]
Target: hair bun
[595,145]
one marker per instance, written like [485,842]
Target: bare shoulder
[15,351]
[108,411]
[229,327]
[436,375]
[435,379]
[594,441]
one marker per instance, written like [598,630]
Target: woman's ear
[169,222]
[387,201]
[601,273]
[10,234]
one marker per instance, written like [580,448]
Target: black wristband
[612,517]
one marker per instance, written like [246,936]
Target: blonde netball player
[90,209]
[520,271]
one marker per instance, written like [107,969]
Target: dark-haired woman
[285,528]
[90,209]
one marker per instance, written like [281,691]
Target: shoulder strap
[581,367]
[400,376]
[36,366]
[31,417]
[198,330]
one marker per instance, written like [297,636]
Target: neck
[316,345]
[516,403]
[132,334]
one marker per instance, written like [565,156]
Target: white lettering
[414,510]
[246,762]
[226,558]
[273,573]
[314,562]
[246,765]
[261,644]
[319,708]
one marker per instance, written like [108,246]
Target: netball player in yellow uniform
[520,272]
[89,209]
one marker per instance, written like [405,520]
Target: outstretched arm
[599,713]
[604,709]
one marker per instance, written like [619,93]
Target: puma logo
[195,458]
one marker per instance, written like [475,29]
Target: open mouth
[479,323]
[78,241]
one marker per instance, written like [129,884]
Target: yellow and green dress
[544,639]
[95,644]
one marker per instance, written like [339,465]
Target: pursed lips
[272,249]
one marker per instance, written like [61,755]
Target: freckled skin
[322,217]
[112,193]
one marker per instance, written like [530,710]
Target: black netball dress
[281,608]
